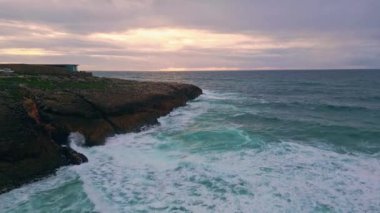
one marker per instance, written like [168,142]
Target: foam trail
[223,152]
[165,169]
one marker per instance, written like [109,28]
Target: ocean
[263,141]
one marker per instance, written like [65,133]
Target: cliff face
[37,113]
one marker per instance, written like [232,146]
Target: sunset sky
[192,34]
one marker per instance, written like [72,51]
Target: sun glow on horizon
[176,39]
[171,39]
[179,69]
[145,49]
[186,69]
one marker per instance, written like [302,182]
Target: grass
[83,85]
[49,84]
[12,84]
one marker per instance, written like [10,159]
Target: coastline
[39,110]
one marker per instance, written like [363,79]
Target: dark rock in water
[71,157]
[38,112]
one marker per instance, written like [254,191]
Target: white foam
[77,139]
[302,178]
[209,95]
[134,173]
[27,198]
[96,197]
[285,176]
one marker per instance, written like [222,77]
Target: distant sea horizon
[243,70]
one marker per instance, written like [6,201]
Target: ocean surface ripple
[289,141]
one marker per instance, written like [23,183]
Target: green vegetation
[12,85]
[52,83]
[82,85]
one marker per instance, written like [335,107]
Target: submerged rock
[38,112]
[71,157]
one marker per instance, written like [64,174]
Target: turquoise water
[254,142]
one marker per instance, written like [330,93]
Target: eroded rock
[37,113]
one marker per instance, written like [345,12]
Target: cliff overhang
[38,112]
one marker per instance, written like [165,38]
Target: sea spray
[263,142]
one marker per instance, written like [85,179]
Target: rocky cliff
[39,111]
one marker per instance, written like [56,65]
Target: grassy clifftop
[38,111]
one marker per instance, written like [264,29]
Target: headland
[41,106]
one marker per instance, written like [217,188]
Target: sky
[167,35]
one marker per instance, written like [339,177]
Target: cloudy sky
[192,34]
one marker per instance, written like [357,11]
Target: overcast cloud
[192,34]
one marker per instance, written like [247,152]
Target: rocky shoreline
[39,110]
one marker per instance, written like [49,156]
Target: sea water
[273,141]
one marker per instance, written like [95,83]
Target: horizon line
[242,70]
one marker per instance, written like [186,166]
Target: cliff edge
[39,111]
